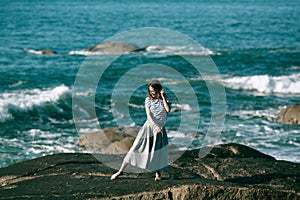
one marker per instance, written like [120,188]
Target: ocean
[254,45]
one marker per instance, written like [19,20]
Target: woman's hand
[162,93]
[158,129]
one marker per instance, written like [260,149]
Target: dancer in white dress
[150,148]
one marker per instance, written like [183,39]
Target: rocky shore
[230,171]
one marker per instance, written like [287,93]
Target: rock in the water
[112,48]
[230,171]
[120,147]
[114,140]
[289,115]
[40,51]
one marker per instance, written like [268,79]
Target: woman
[150,148]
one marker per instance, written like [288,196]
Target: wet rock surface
[289,114]
[230,171]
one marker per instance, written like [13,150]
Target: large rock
[230,171]
[112,48]
[109,48]
[112,140]
[289,115]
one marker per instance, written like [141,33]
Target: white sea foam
[26,99]
[17,84]
[87,53]
[294,67]
[176,134]
[184,107]
[249,114]
[86,93]
[36,143]
[136,106]
[160,50]
[181,50]
[39,51]
[265,84]
[33,51]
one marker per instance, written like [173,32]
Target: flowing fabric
[149,150]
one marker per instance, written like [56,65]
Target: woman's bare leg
[116,175]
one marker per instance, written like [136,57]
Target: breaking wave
[23,100]
[288,84]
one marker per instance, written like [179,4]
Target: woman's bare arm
[166,104]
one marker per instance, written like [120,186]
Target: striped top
[157,110]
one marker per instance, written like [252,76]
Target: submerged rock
[40,51]
[289,115]
[230,171]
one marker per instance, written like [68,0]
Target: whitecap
[183,107]
[33,51]
[16,84]
[268,113]
[24,100]
[180,50]
[84,53]
[265,84]
[39,51]
[93,53]
[136,106]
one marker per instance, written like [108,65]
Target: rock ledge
[230,171]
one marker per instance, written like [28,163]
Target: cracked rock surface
[230,171]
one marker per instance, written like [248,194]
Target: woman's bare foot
[157,176]
[116,175]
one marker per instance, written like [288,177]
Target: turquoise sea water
[254,44]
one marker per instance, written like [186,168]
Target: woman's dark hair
[155,84]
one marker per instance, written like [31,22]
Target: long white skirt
[149,150]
